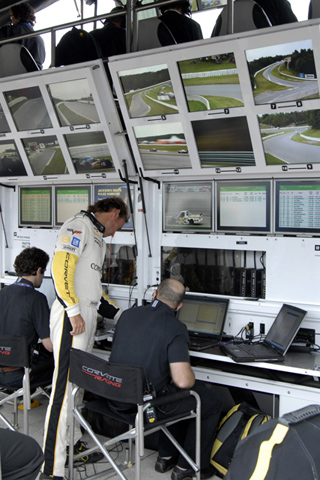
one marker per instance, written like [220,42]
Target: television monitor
[4,127]
[283,73]
[297,206]
[35,206]
[187,206]
[69,200]
[45,155]
[28,109]
[10,161]
[224,142]
[243,206]
[73,102]
[89,152]
[211,82]
[162,146]
[290,137]
[115,190]
[207,4]
[148,91]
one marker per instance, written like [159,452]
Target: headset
[185,5]
[95,222]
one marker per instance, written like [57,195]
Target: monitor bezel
[34,224]
[71,187]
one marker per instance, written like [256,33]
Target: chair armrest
[170,398]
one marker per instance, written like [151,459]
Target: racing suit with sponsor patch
[76,272]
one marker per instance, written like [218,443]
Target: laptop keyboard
[257,350]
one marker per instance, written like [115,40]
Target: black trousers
[40,375]
[184,432]
[21,456]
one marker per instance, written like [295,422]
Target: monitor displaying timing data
[297,206]
[243,206]
[35,206]
[69,201]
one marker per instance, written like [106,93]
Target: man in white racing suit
[76,272]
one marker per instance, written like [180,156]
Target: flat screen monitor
[204,316]
[243,206]
[73,102]
[4,127]
[70,200]
[89,152]
[118,190]
[224,142]
[211,82]
[28,109]
[10,161]
[283,73]
[162,146]
[187,206]
[207,4]
[35,206]
[290,138]
[297,206]
[45,155]
[148,91]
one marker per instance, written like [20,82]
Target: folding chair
[14,352]
[247,15]
[122,383]
[16,59]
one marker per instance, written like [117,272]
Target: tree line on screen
[144,80]
[301,62]
[278,120]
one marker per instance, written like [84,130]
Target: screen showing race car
[44,155]
[283,73]
[148,91]
[89,152]
[187,206]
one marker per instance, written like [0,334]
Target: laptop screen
[204,316]
[285,327]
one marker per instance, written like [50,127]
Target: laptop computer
[204,318]
[275,345]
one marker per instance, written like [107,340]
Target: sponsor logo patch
[65,239]
[75,241]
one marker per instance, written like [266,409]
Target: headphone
[185,5]
[95,222]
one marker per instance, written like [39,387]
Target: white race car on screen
[187,218]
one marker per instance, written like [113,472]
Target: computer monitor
[187,206]
[297,207]
[35,206]
[243,206]
[115,190]
[70,200]
[44,155]
[204,316]
[283,73]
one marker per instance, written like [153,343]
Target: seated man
[21,456]
[22,19]
[176,16]
[153,338]
[25,312]
[112,37]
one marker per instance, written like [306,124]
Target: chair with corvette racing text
[122,383]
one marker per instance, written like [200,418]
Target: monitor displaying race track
[73,102]
[148,91]
[283,73]
[44,155]
[211,82]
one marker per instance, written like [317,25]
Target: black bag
[76,46]
[286,448]
[240,421]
